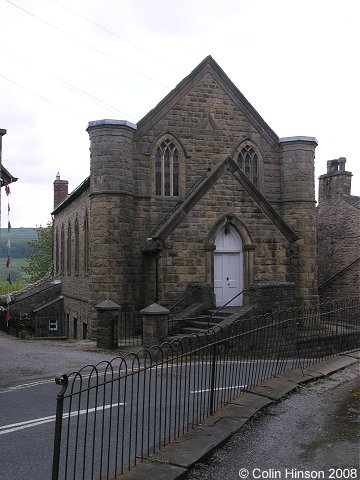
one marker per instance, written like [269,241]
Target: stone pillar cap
[298,139]
[107,305]
[111,123]
[155,309]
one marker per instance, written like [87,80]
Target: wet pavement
[314,433]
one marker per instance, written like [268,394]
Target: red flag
[7,318]
[8,263]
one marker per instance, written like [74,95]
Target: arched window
[62,250]
[86,243]
[247,161]
[77,249]
[167,169]
[57,252]
[68,250]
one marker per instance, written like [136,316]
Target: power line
[110,32]
[97,50]
[30,91]
[73,88]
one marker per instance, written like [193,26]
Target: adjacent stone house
[200,192]
[338,234]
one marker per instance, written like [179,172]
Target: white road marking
[14,427]
[219,388]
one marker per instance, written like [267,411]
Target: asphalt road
[28,398]
[28,401]
[316,430]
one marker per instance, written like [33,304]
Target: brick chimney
[336,183]
[60,190]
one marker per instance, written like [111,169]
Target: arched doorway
[228,266]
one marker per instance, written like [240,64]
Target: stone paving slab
[153,471]
[275,388]
[352,354]
[332,365]
[251,403]
[298,376]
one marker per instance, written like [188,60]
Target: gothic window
[62,250]
[68,250]
[247,161]
[57,256]
[77,252]
[86,243]
[167,169]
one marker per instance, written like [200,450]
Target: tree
[39,259]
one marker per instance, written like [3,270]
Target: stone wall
[75,279]
[338,234]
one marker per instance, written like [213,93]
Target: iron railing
[176,324]
[130,329]
[113,415]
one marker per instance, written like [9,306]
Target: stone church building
[201,192]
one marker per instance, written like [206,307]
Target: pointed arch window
[68,250]
[77,248]
[248,162]
[62,250]
[57,252]
[167,169]
[86,243]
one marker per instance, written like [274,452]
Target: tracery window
[248,162]
[167,169]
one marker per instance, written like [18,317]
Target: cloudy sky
[64,63]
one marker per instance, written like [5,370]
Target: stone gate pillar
[107,324]
[155,325]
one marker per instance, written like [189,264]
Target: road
[28,395]
[140,406]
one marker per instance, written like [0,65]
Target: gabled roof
[208,65]
[175,218]
[74,194]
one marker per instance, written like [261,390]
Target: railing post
[63,380]
[212,380]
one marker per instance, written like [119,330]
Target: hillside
[19,238]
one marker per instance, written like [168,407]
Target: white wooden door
[228,280]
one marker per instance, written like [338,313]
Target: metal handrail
[184,297]
[227,303]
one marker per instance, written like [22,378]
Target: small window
[167,170]
[53,325]
[248,162]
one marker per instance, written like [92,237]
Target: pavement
[211,452]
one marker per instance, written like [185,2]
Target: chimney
[60,190]
[336,183]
